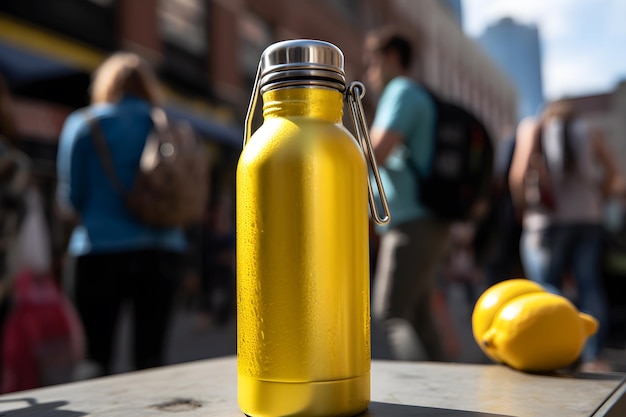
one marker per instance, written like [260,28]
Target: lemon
[539,332]
[528,328]
[492,300]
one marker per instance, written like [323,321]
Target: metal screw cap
[302,60]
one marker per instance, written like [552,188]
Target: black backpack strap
[99,141]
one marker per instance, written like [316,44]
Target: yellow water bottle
[303,317]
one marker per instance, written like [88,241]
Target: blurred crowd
[60,316]
[553,212]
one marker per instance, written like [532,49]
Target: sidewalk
[187,342]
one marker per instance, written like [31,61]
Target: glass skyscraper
[516,49]
[454,7]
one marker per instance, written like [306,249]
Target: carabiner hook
[251,107]
[354,94]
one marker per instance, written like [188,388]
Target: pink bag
[43,339]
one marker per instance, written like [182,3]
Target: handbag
[43,338]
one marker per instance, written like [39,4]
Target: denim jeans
[535,256]
[577,249]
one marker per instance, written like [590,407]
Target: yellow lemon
[539,332]
[492,301]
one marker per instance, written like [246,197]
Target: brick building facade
[206,53]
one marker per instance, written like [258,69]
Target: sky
[583,42]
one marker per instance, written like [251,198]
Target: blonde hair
[125,73]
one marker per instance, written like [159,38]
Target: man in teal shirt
[414,242]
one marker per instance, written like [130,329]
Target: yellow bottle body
[303,318]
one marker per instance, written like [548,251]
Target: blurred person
[571,237]
[533,215]
[41,339]
[413,244]
[497,236]
[118,258]
[15,174]
[218,269]
[460,265]
[14,181]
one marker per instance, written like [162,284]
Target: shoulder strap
[537,149]
[569,154]
[159,119]
[104,153]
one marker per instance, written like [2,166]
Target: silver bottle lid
[302,62]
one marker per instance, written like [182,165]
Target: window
[183,28]
[255,35]
[182,24]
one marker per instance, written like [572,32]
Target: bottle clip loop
[354,94]
[251,106]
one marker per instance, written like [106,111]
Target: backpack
[461,164]
[171,186]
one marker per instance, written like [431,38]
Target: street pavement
[189,341]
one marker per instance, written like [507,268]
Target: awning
[20,67]
[38,77]
[228,135]
[43,66]
[48,45]
[35,76]
[39,64]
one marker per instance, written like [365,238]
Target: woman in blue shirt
[118,258]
